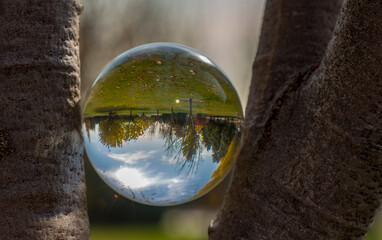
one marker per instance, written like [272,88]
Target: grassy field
[154,232]
[375,232]
[140,232]
[155,83]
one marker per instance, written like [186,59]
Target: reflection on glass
[161,124]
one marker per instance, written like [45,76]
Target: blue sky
[142,170]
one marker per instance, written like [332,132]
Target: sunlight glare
[132,177]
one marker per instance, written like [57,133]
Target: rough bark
[311,163]
[294,37]
[42,189]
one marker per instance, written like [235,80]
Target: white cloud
[136,178]
[134,183]
[206,153]
[133,178]
[131,158]
[167,159]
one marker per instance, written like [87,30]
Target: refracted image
[161,124]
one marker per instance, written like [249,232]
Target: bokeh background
[228,32]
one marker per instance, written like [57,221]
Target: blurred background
[226,31]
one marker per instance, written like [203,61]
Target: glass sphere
[161,124]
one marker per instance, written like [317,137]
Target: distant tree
[183,142]
[112,132]
[132,130]
[217,136]
[191,142]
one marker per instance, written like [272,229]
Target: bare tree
[42,189]
[311,162]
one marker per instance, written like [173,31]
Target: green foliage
[217,135]
[375,233]
[114,129]
[190,142]
[111,132]
[184,137]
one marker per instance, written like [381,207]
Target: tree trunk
[42,188]
[311,162]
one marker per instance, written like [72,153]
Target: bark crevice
[310,165]
[5,148]
[42,181]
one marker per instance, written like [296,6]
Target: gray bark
[311,162]
[42,189]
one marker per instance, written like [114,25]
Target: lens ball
[161,124]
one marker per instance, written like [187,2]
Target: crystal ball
[161,124]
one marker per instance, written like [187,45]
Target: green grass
[143,85]
[154,232]
[139,232]
[375,232]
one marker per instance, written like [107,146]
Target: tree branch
[42,188]
[313,168]
[294,37]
